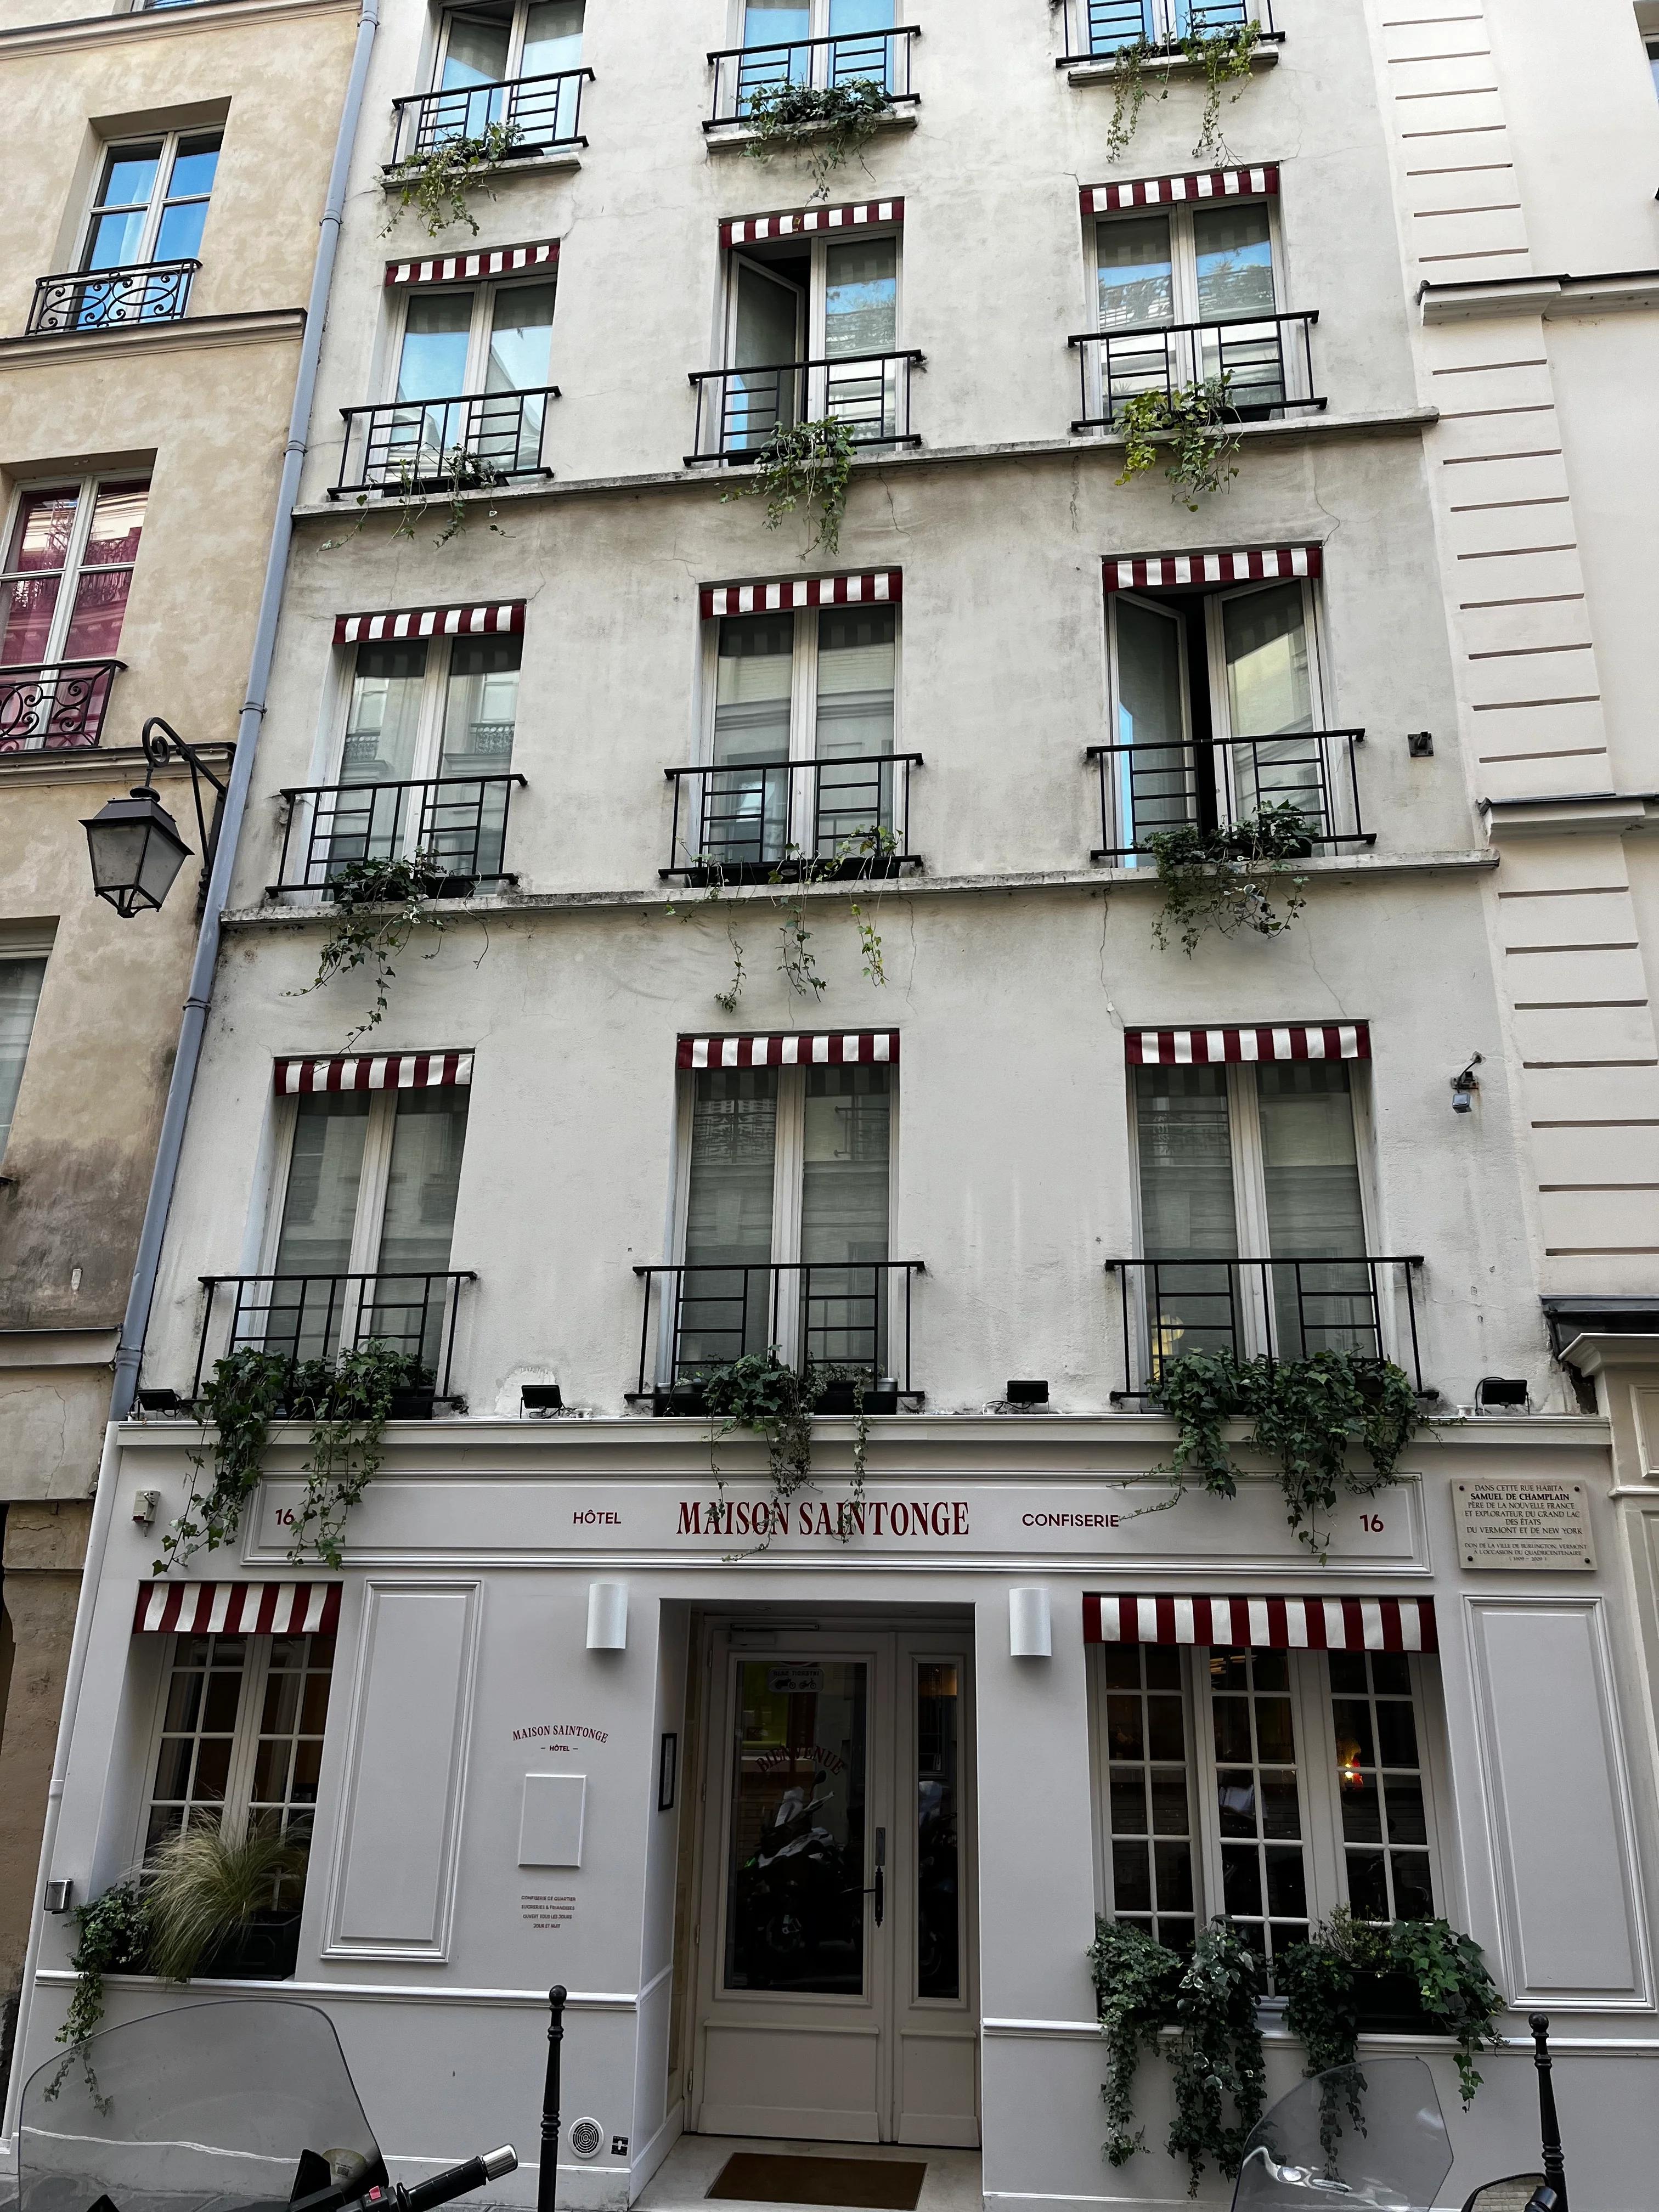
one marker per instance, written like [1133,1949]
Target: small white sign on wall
[551,1827]
[1524,1522]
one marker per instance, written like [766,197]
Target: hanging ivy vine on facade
[1221,58]
[1225,879]
[1307,1415]
[438,184]
[762,1393]
[112,1937]
[808,465]
[827,125]
[869,854]
[378,904]
[1195,424]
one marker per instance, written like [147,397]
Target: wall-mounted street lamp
[134,842]
[1464,1085]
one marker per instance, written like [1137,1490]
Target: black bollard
[1555,2169]
[547,2177]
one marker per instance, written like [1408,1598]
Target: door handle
[879,1887]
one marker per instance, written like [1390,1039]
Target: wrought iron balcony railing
[111,299]
[1265,362]
[54,703]
[436,447]
[1111,25]
[459,822]
[880,58]
[1284,1307]
[1145,789]
[769,820]
[539,113]
[296,1316]
[818,1314]
[739,410]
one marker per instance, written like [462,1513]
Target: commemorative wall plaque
[1516,1522]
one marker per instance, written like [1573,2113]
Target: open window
[486,53]
[824,43]
[812,328]
[142,234]
[1271,1786]
[70,554]
[1219,713]
[473,370]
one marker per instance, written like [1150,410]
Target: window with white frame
[474,364]
[21,974]
[424,754]
[1268,1786]
[812,324]
[1218,710]
[800,728]
[70,555]
[1255,1162]
[784,1212]
[484,52]
[359,1243]
[152,200]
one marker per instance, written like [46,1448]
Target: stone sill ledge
[722,137]
[256,326]
[1102,68]
[1395,423]
[161,23]
[1354,867]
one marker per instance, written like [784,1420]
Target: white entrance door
[834,1941]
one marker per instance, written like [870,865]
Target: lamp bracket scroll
[162,743]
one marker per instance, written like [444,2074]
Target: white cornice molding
[191,334]
[1551,297]
[1574,814]
[58,1347]
[161,23]
[92,764]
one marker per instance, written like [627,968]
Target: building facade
[797,987]
[136,539]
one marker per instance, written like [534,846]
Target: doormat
[776,2177]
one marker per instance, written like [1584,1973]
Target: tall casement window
[812,328]
[1218,712]
[490,345]
[1241,1164]
[69,554]
[360,1241]
[1272,1786]
[424,754]
[238,1746]
[21,974]
[487,56]
[855,25]
[152,200]
[801,727]
[785,1203]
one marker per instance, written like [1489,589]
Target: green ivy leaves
[828,124]
[1220,879]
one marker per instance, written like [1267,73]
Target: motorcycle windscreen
[1364,2138]
[211,2108]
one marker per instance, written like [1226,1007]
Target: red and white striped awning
[1264,1624]
[836,1048]
[1282,1041]
[430,622]
[1170,191]
[879,587]
[751,229]
[1171,572]
[384,1071]
[237,1609]
[490,261]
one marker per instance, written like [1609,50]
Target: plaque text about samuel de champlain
[1523,1523]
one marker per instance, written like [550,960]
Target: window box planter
[411,1405]
[883,1398]
[687,1397]
[838,1399]
[266,1950]
[1389,2004]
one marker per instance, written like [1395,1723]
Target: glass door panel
[1233,250]
[1264,644]
[857,651]
[745,809]
[726,1305]
[1189,1218]
[844,1215]
[765,343]
[861,318]
[1156,787]
[475,54]
[407,1308]
[938,1844]
[320,1217]
[1310,1167]
[553,44]
[795,1846]
[382,732]
[520,360]
[1264,1876]
[466,822]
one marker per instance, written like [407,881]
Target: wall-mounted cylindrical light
[607,1616]
[1030,1632]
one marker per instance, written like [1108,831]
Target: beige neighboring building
[185,151]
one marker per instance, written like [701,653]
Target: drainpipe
[165,1175]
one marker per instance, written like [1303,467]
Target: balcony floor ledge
[1100,68]
[1357,866]
[1408,421]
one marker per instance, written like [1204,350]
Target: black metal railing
[459,822]
[111,299]
[436,447]
[52,703]
[768,820]
[1284,1307]
[822,1313]
[297,1317]
[1148,788]
[1264,362]
[1109,25]
[537,113]
[739,410]
[880,58]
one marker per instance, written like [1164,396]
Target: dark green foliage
[1221,879]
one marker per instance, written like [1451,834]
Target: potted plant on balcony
[827,124]
[437,183]
[215,1905]
[1224,878]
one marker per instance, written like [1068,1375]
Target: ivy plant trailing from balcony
[1209,1997]
[808,464]
[762,1393]
[458,471]
[1196,423]
[827,124]
[378,904]
[112,1937]
[1306,1414]
[348,1401]
[867,854]
[1222,878]
[437,184]
[1223,58]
